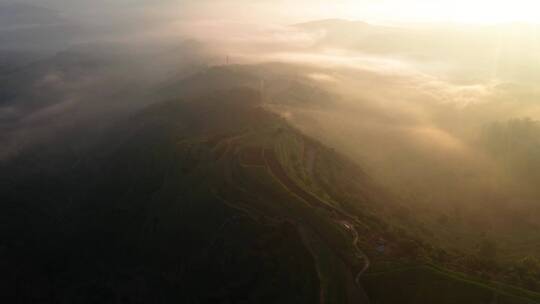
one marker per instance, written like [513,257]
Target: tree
[487,250]
[529,265]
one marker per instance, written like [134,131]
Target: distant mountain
[332,23]
[18,15]
[463,53]
[27,27]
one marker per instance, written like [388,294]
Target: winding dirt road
[359,253]
[345,220]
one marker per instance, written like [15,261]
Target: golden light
[381,11]
[458,11]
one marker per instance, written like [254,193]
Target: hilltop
[211,197]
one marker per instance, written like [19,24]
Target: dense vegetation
[183,203]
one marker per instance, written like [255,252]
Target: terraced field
[244,209]
[291,162]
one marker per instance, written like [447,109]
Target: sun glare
[494,11]
[458,11]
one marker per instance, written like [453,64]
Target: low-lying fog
[444,115]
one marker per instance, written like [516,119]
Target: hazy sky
[468,11]
[286,11]
[475,11]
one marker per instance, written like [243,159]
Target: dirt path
[346,221]
[359,253]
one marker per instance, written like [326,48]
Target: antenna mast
[261,89]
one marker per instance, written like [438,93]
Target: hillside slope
[212,199]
